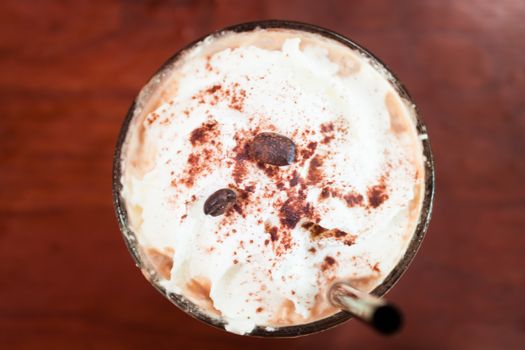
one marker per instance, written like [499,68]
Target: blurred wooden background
[68,73]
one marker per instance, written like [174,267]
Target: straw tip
[387,319]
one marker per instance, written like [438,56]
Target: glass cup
[288,331]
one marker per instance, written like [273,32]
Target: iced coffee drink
[260,167]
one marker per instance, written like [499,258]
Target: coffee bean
[219,202]
[272,148]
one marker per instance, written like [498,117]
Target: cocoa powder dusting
[241,156]
[338,233]
[193,169]
[231,94]
[327,263]
[377,195]
[318,232]
[204,154]
[315,230]
[273,231]
[293,210]
[193,159]
[242,201]
[203,133]
[327,139]
[309,150]
[315,174]
[327,130]
[213,89]
[353,199]
[208,65]
[294,180]
[325,193]
[286,244]
[152,118]
[269,170]
[375,267]
[237,100]
[350,240]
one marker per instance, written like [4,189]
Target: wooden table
[68,73]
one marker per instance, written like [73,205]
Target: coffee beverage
[263,166]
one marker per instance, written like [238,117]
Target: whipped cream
[346,209]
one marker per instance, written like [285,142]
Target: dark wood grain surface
[68,73]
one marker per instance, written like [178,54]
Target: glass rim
[295,330]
